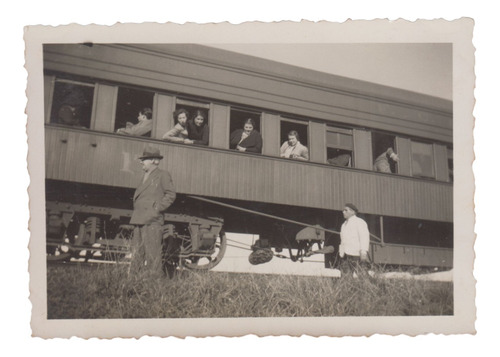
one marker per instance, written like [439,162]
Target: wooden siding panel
[105,108]
[228,174]
[362,149]
[441,163]
[403,149]
[271,134]
[163,109]
[317,142]
[219,126]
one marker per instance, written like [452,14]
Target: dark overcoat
[152,198]
[252,143]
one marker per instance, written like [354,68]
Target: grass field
[109,291]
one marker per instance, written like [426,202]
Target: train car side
[410,208]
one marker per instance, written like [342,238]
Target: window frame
[152,106]
[377,153]
[343,131]
[303,122]
[79,82]
[432,156]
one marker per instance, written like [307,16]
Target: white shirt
[354,237]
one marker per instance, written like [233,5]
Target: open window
[197,120]
[238,117]
[422,160]
[288,125]
[339,146]
[384,152]
[130,104]
[237,120]
[193,107]
[72,103]
[296,130]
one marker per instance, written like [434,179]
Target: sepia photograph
[278,186]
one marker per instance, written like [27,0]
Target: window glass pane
[340,146]
[130,104]
[338,140]
[422,159]
[72,103]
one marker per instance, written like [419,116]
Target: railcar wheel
[208,262]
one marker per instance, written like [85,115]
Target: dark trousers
[352,264]
[147,248]
[332,260]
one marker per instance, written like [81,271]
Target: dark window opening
[72,103]
[384,152]
[129,104]
[418,232]
[238,117]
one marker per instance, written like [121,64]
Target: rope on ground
[235,246]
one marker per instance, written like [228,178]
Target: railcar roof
[266,67]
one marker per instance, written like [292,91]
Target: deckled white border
[458,32]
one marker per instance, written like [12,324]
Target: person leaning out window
[197,130]
[143,126]
[179,132]
[247,139]
[293,149]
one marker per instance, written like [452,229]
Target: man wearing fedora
[354,241]
[153,196]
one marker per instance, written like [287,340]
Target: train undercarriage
[91,233]
[80,228]
[83,233]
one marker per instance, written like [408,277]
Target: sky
[419,67]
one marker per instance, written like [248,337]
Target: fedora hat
[151,153]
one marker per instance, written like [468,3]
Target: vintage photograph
[275,186]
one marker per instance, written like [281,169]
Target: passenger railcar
[91,90]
